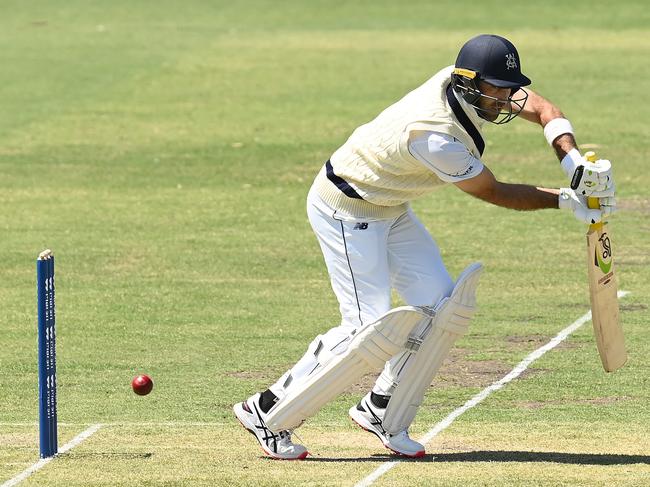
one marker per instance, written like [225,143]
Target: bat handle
[591,201]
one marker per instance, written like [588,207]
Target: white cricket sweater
[375,161]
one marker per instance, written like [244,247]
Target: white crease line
[513,374]
[44,461]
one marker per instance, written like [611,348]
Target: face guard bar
[464,82]
[506,110]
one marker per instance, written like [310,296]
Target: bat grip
[591,201]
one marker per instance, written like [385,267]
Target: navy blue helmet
[494,60]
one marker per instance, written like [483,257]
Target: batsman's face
[495,100]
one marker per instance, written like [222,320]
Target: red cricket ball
[142,384]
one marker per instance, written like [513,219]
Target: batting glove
[589,178]
[569,200]
[607,206]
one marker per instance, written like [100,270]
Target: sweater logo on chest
[360,226]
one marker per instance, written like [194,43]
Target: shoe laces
[285,438]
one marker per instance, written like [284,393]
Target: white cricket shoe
[275,445]
[370,417]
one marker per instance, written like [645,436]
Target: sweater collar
[463,112]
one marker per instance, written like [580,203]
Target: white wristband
[557,127]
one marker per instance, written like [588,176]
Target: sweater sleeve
[446,156]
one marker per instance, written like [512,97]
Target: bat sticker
[604,262]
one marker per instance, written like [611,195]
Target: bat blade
[604,300]
[603,292]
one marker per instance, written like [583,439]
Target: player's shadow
[541,457]
[506,456]
[106,454]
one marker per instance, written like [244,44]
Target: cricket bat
[603,291]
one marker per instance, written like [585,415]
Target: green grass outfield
[164,150]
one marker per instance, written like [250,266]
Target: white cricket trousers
[365,260]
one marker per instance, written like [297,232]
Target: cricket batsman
[372,242]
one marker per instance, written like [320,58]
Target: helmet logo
[511,61]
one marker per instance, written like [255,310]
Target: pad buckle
[413,343]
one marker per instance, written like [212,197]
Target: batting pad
[368,350]
[451,321]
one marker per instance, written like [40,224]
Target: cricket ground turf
[164,151]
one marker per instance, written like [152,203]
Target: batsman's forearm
[523,197]
[564,144]
[540,110]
